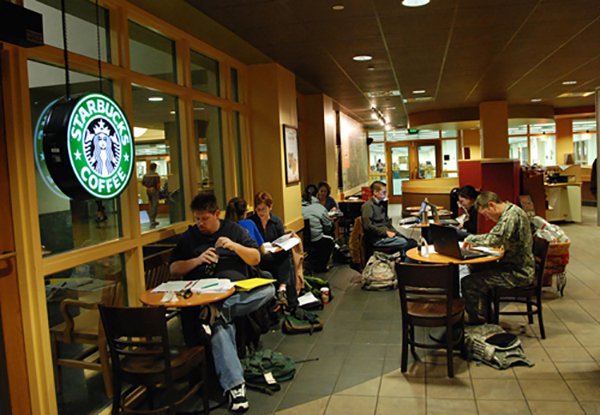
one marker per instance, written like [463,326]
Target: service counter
[437,191]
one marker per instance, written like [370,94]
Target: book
[252,283]
[285,242]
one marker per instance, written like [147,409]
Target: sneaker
[237,399]
[282,297]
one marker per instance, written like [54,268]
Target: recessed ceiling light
[536,99]
[362,58]
[419,91]
[199,108]
[156,99]
[414,3]
[370,68]
[337,7]
[569,82]
[172,112]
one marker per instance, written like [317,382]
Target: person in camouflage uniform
[512,232]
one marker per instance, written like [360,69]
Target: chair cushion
[434,309]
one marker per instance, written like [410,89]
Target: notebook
[445,240]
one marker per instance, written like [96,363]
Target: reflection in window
[518,150]
[205,73]
[156,132]
[207,132]
[81,20]
[450,158]
[377,166]
[427,161]
[400,168]
[238,152]
[543,150]
[151,53]
[584,147]
[78,291]
[65,224]
[235,88]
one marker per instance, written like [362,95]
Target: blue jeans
[227,364]
[395,242]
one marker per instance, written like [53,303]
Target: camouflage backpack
[490,344]
[380,272]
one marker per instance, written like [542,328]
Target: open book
[285,242]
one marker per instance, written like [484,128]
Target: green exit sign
[413,131]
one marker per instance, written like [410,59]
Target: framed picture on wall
[292,161]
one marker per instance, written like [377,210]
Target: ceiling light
[414,3]
[569,82]
[370,68]
[199,108]
[388,127]
[337,7]
[139,131]
[374,116]
[536,99]
[362,58]
[419,91]
[172,112]
[156,99]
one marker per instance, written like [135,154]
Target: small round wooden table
[435,258]
[153,299]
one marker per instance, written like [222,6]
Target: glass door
[399,162]
[427,161]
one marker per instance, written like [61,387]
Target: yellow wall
[471,139]
[493,116]
[272,99]
[564,138]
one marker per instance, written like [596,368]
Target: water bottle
[423,248]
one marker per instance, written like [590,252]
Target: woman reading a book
[270,228]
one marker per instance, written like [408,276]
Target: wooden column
[493,116]
[564,138]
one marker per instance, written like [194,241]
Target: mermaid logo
[100,146]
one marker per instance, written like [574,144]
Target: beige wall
[272,99]
[564,138]
[493,116]
[472,139]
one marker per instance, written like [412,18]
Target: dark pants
[320,253]
[281,266]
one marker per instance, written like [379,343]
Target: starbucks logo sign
[97,144]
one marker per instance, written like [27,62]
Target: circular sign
[88,147]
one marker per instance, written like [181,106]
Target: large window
[533,143]
[205,73]
[584,141]
[151,53]
[65,224]
[450,158]
[377,162]
[156,132]
[207,133]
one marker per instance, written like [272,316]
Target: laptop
[445,241]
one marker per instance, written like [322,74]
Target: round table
[153,299]
[435,258]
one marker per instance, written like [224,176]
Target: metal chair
[530,295]
[429,298]
[142,356]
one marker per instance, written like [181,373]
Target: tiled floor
[358,353]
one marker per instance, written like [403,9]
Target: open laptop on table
[445,241]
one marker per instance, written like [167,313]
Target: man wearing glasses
[379,232]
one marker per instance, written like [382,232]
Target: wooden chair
[356,244]
[429,298]
[156,268]
[142,356]
[530,295]
[85,329]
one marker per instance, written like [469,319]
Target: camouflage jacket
[513,233]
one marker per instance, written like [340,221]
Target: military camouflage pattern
[515,269]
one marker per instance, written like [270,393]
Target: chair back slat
[156,268]
[540,254]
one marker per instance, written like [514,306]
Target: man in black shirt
[213,247]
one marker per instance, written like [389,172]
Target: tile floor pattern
[359,355]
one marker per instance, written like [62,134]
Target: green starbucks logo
[100,146]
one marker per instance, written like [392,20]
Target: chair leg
[413,351]
[496,307]
[449,352]
[205,402]
[404,355]
[105,364]
[55,355]
[529,311]
[541,320]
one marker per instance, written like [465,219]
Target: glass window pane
[376,135]
[235,92]
[584,147]
[205,73]
[449,133]
[151,53]
[518,130]
[238,152]
[207,132]
[65,224]
[157,141]
[377,167]
[449,158]
[427,161]
[400,169]
[428,134]
[546,128]
[584,125]
[397,135]
[81,26]
[543,150]
[517,147]
[102,281]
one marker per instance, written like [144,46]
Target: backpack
[380,272]
[264,369]
[301,321]
[314,285]
[493,346]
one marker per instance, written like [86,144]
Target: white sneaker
[237,399]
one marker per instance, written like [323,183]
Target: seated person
[516,268]
[379,232]
[466,199]
[320,225]
[324,196]
[279,264]
[312,189]
[213,247]
[236,212]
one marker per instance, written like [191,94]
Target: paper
[285,242]
[308,298]
[252,283]
[173,286]
[212,285]
[486,250]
